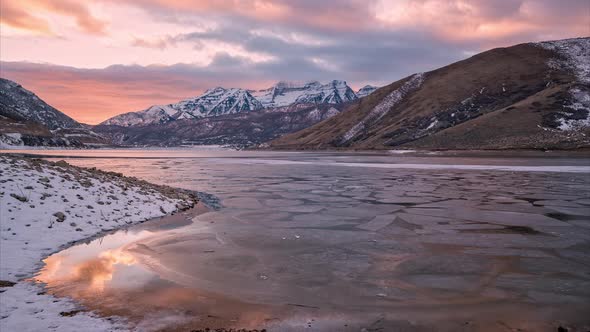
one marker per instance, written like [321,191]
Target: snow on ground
[581,102]
[574,56]
[401,151]
[10,141]
[45,207]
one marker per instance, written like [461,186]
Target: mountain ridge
[534,95]
[27,120]
[526,96]
[219,101]
[237,129]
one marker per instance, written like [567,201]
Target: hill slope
[21,104]
[25,119]
[534,95]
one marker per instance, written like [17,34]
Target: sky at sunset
[96,59]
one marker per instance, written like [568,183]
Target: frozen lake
[344,241]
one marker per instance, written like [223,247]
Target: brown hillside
[502,98]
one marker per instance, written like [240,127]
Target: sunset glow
[96,59]
[92,274]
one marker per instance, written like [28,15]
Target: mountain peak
[338,82]
[286,93]
[213,102]
[216,89]
[365,91]
[220,100]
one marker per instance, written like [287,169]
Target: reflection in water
[348,247]
[93,273]
[89,270]
[112,275]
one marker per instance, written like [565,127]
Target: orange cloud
[90,96]
[16,14]
[84,18]
[261,9]
[253,43]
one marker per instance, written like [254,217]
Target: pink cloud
[218,42]
[17,14]
[18,17]
[491,23]
[92,96]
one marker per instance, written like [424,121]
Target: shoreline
[52,186]
[509,154]
[135,319]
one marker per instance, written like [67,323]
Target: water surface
[340,242]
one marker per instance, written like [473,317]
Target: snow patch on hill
[574,56]
[11,140]
[316,115]
[581,103]
[392,99]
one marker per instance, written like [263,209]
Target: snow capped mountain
[21,104]
[287,93]
[366,90]
[239,129]
[213,102]
[220,101]
[152,115]
[217,101]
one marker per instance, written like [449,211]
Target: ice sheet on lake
[508,168]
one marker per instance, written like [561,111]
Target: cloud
[488,21]
[14,16]
[93,95]
[17,14]
[84,19]
[331,15]
[196,45]
[157,43]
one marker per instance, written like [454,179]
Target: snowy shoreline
[46,207]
